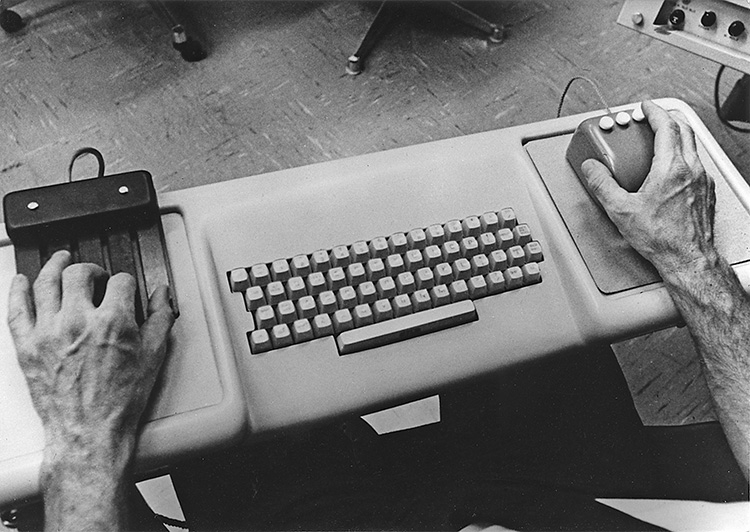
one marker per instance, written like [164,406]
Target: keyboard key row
[473,234]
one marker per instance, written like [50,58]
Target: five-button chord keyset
[387,289]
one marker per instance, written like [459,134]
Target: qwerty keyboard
[387,289]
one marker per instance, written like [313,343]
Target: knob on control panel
[677,18]
[708,19]
[736,28]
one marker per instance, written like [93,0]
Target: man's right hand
[669,220]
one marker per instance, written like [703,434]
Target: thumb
[155,330]
[601,184]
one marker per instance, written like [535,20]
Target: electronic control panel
[715,29]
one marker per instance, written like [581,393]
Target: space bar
[404,327]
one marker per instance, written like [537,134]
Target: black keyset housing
[113,221]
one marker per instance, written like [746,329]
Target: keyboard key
[421,300]
[405,283]
[477,287]
[275,292]
[281,336]
[416,239]
[280,270]
[286,312]
[469,247]
[424,278]
[435,235]
[320,261]
[375,270]
[522,234]
[533,252]
[260,341]
[359,251]
[413,260]
[382,310]
[265,317]
[443,273]
[254,298]
[471,226]
[453,230]
[487,243]
[347,297]
[531,273]
[507,218]
[451,251]
[433,256]
[407,326]
[301,266]
[379,247]
[363,316]
[342,321]
[394,265]
[296,288]
[458,290]
[397,243]
[495,282]
[461,269]
[490,222]
[316,283]
[322,325]
[516,256]
[336,278]
[306,307]
[327,302]
[302,331]
[440,295]
[401,305]
[366,292]
[356,274]
[513,278]
[340,256]
[259,275]
[386,288]
[498,260]
[480,265]
[239,280]
[505,238]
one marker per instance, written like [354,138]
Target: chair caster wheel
[497,35]
[354,65]
[190,49]
[10,21]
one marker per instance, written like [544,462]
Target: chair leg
[10,21]
[382,18]
[190,49]
[495,32]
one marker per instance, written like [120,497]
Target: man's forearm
[716,309]
[85,487]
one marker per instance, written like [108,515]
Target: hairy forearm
[85,486]
[716,309]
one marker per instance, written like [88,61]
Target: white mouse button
[606,123]
[622,118]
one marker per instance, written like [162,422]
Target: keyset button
[356,274]
[375,270]
[394,265]
[296,288]
[451,251]
[498,260]
[413,260]
[507,218]
[440,295]
[306,307]
[347,297]
[340,256]
[490,222]
[327,302]
[359,251]
[320,261]
[366,292]
[301,266]
[387,288]
[513,278]
[443,273]
[322,325]
[477,287]
[458,290]
[342,321]
[402,305]
[461,269]
[363,316]
[281,336]
[516,256]
[469,247]
[336,278]
[275,293]
[453,230]
[522,234]
[421,300]
[316,283]
[379,247]
[425,278]
[531,273]
[533,251]
[435,235]
[265,317]
[432,256]
[505,238]
[286,312]
[397,243]
[495,282]
[480,265]
[254,298]
[382,310]
[487,243]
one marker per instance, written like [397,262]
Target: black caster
[190,49]
[10,21]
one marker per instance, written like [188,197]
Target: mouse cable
[717,106]
[591,82]
[80,153]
